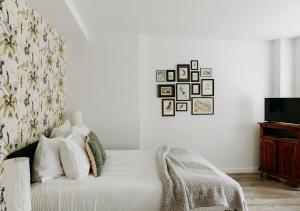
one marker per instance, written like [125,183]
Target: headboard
[32,76]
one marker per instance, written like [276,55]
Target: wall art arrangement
[188,84]
[32,77]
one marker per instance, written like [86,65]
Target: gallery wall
[241,70]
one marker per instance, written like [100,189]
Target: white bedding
[129,182]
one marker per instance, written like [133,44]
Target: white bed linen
[129,181]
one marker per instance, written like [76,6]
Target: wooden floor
[268,194]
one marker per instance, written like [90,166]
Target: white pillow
[46,162]
[82,130]
[73,156]
[63,131]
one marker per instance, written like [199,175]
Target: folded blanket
[189,182]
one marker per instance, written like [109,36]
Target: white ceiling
[213,19]
[217,19]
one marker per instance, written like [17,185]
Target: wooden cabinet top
[279,125]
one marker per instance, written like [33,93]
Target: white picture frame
[160,76]
[206,72]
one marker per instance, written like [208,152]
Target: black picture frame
[197,76]
[163,111]
[202,98]
[193,89]
[203,88]
[168,75]
[160,90]
[157,76]
[204,74]
[180,92]
[193,64]
[183,77]
[181,110]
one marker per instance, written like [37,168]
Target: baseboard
[240,170]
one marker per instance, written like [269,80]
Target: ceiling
[213,19]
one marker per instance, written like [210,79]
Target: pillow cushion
[94,137]
[96,153]
[46,163]
[82,130]
[63,131]
[27,151]
[74,159]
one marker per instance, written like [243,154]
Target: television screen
[282,110]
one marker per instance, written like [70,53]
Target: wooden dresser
[280,151]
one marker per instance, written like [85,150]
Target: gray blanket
[189,182]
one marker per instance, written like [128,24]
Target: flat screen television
[285,110]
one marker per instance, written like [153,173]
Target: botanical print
[195,76]
[196,89]
[168,107]
[206,72]
[183,72]
[181,106]
[166,90]
[170,75]
[202,105]
[32,70]
[160,75]
[194,64]
[183,92]
[207,87]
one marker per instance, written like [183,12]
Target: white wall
[297,66]
[276,62]
[282,68]
[103,81]
[112,79]
[241,69]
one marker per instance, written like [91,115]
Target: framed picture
[181,106]
[166,90]
[202,106]
[170,75]
[194,65]
[183,73]
[195,89]
[194,76]
[183,92]
[207,87]
[168,107]
[160,76]
[206,72]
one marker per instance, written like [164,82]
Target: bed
[130,182]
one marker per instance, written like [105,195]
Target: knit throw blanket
[191,182]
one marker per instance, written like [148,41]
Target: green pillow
[94,137]
[96,153]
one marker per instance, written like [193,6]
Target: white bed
[129,182]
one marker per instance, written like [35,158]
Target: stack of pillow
[70,150]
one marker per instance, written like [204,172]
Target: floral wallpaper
[32,70]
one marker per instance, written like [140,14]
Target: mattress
[129,181]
